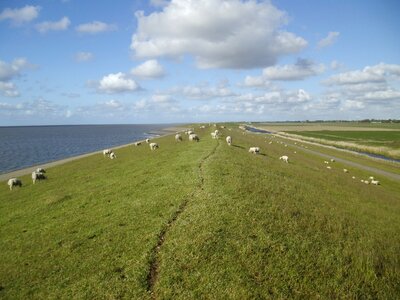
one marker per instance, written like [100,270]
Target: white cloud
[202,92]
[218,33]
[19,16]
[352,105]
[39,107]
[383,95]
[117,83]
[10,71]
[95,27]
[83,56]
[377,73]
[113,104]
[62,24]
[8,89]
[148,70]
[329,40]
[302,69]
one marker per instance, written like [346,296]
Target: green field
[390,139]
[206,220]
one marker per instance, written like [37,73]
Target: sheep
[345,170]
[216,132]
[213,135]
[326,162]
[194,137]
[223,127]
[138,143]
[178,137]
[189,132]
[362,180]
[332,160]
[37,176]
[285,145]
[285,158]
[329,167]
[153,146]
[295,152]
[371,177]
[147,141]
[40,170]
[14,182]
[375,182]
[229,140]
[270,143]
[254,150]
[354,177]
[112,155]
[366,181]
[107,152]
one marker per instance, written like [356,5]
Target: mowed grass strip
[87,232]
[262,229]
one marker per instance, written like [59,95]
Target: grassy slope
[256,227]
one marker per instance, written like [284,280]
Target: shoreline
[24,171]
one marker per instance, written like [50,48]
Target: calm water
[21,147]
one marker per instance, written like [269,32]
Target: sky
[179,61]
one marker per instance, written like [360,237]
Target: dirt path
[154,268]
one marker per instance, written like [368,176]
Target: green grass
[389,139]
[254,227]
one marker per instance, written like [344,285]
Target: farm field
[379,139]
[201,220]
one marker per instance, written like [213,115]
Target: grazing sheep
[366,181]
[326,162]
[147,141]
[216,132]
[294,152]
[112,155]
[285,145]
[371,177]
[345,170]
[223,127]
[362,180]
[213,135]
[153,146]
[40,170]
[254,150]
[270,143]
[107,152]
[329,167]
[375,182]
[14,182]
[138,143]
[194,137]
[354,177]
[332,160]
[37,176]
[178,137]
[229,140]
[285,158]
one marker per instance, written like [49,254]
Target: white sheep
[329,167]
[40,170]
[254,150]
[366,181]
[216,132]
[147,141]
[178,137]
[294,152]
[371,177]
[354,177]
[138,143]
[285,158]
[270,143]
[107,152]
[153,146]
[189,132]
[112,155]
[345,171]
[14,182]
[326,162]
[332,160]
[375,182]
[213,135]
[37,176]
[229,140]
[194,137]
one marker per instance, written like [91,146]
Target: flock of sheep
[38,174]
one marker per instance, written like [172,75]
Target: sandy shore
[25,171]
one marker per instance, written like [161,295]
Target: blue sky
[103,62]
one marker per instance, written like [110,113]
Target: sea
[25,146]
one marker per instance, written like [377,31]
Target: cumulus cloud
[329,40]
[83,56]
[117,83]
[217,33]
[302,69]
[148,70]
[202,91]
[9,72]
[62,24]
[19,16]
[38,107]
[377,73]
[95,27]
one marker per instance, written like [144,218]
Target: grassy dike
[210,221]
